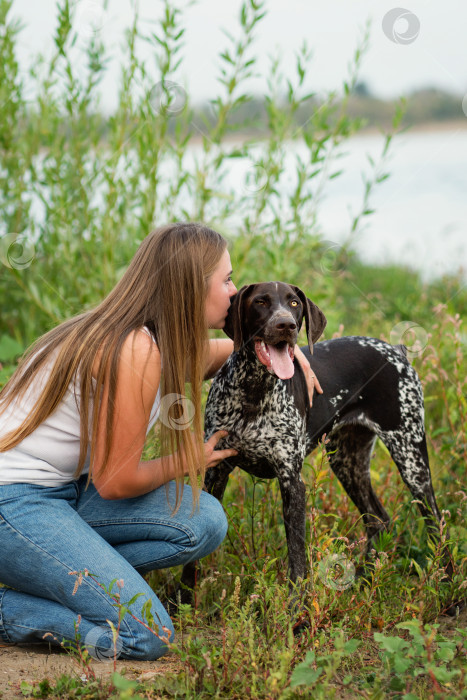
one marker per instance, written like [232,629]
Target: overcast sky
[422,44]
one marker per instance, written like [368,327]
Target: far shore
[458,125]
[448,125]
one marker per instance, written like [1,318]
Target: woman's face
[221,288]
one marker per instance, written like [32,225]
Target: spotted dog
[260,397]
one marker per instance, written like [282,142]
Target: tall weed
[79,191]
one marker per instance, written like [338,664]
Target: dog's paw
[300,627]
[363,574]
[181,596]
[453,609]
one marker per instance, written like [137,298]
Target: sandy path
[36,662]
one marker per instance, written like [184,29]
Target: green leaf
[26,688]
[304,675]
[351,646]
[445,651]
[442,674]
[111,585]
[5,374]
[391,644]
[413,626]
[134,598]
[9,348]
[122,683]
[401,663]
[396,683]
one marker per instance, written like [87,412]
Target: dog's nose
[285,324]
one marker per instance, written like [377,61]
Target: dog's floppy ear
[233,322]
[315,320]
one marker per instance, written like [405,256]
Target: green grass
[369,641]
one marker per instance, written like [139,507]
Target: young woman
[75,496]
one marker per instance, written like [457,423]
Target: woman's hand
[212,456]
[312,381]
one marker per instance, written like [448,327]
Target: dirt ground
[36,662]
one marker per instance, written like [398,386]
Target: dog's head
[268,317]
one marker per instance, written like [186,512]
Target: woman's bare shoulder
[140,349]
[139,353]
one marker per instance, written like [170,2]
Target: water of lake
[420,217]
[421,210]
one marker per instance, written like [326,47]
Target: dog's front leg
[293,503]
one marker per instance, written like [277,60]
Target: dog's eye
[294,303]
[260,301]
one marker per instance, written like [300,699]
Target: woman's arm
[219,351]
[312,381]
[138,379]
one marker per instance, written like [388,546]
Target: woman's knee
[147,643]
[211,524]
[152,645]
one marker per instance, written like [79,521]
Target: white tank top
[49,455]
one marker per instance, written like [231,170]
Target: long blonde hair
[164,289]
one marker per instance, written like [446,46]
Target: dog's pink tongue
[281,362]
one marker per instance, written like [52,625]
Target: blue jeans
[48,533]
